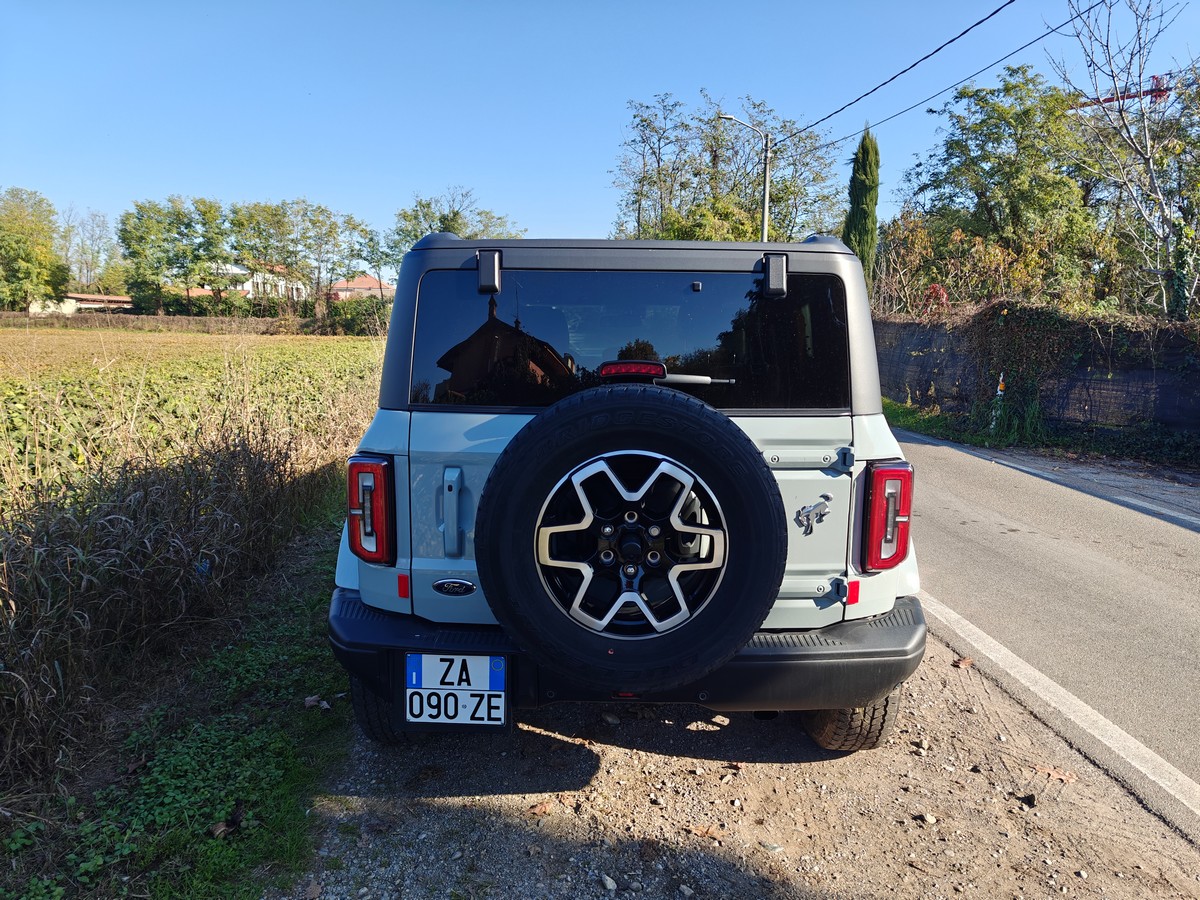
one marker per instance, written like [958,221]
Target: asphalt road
[1088,573]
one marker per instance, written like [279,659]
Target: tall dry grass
[138,493]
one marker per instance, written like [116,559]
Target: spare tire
[631,538]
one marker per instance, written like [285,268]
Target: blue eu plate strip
[414,670]
[496,674]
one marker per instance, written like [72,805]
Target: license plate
[455,690]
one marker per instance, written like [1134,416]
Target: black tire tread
[521,622]
[852,729]
[373,714]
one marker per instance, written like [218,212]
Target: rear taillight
[889,506]
[369,512]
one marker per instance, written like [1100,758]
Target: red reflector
[852,592]
[633,367]
[402,587]
[889,507]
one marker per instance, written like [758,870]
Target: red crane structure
[1160,86]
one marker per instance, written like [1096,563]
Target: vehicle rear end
[492,339]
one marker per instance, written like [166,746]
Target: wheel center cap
[631,550]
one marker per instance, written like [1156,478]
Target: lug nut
[607,530]
[631,517]
[654,531]
[630,571]
[653,557]
[607,556]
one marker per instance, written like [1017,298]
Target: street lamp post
[766,141]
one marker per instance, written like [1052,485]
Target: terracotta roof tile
[361,283]
[102,298]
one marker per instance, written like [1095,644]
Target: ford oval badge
[454,587]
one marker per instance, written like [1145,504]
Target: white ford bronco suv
[634,471]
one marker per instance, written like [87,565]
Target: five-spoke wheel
[631,544]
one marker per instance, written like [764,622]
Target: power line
[931,53]
[990,65]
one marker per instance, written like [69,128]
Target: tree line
[184,256]
[1082,192]
[687,174]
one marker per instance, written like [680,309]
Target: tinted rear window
[546,333]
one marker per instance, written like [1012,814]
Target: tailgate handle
[451,488]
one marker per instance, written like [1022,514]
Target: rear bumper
[849,664]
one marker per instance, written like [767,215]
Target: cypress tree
[861,233]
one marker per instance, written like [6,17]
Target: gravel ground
[972,796]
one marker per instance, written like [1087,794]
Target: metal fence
[1149,379]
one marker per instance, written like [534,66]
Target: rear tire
[852,729]
[373,714]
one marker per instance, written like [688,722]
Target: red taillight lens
[633,367]
[889,507]
[369,510]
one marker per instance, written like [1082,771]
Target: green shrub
[367,315]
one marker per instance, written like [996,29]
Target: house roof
[100,298]
[361,283]
[483,339]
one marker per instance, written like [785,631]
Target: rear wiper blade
[673,378]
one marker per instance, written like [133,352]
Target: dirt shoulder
[972,796]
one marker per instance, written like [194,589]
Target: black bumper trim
[848,664]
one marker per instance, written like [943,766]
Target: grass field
[72,400]
[147,481]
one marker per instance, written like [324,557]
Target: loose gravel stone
[556,808]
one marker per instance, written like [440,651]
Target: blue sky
[360,105]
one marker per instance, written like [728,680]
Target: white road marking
[980,454]
[1161,510]
[1120,742]
[1040,473]
[912,437]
